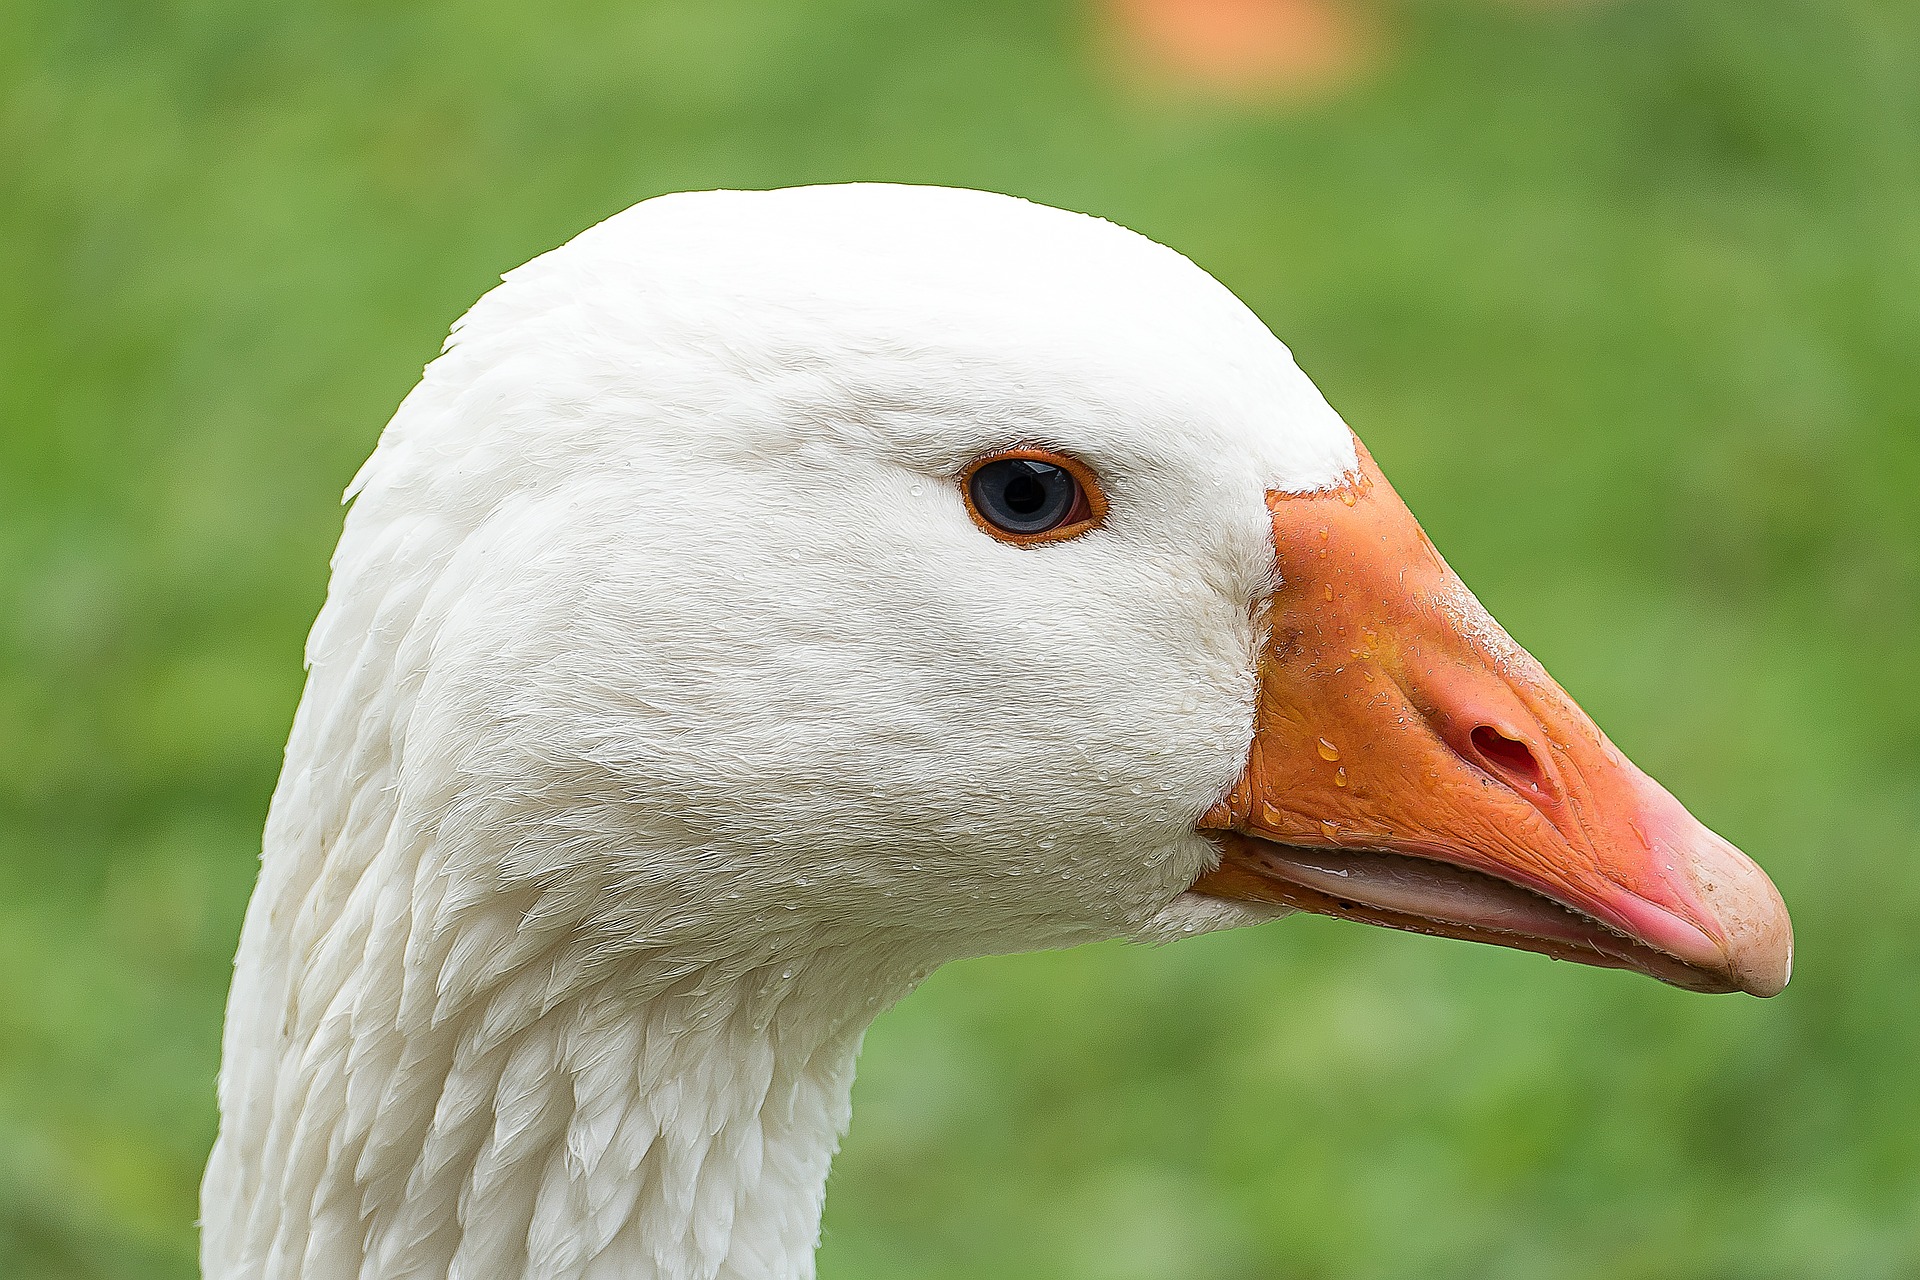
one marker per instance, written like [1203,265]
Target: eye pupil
[1025,492]
[1025,496]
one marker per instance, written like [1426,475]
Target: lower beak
[1413,767]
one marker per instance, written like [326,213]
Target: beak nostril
[1508,758]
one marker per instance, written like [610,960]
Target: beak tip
[1774,988]
[1755,932]
[1762,962]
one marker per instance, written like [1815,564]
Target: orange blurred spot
[1248,49]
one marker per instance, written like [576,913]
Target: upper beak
[1412,766]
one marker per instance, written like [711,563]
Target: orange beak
[1413,767]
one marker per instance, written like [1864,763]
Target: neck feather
[646,1125]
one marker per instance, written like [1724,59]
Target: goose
[768,597]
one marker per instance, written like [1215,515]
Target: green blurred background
[1623,296]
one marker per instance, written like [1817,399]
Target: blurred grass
[1623,296]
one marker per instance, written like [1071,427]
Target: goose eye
[1032,495]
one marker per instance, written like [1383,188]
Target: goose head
[768,597]
[753,657]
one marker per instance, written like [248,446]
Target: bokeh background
[1624,297]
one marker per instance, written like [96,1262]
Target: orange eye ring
[1054,498]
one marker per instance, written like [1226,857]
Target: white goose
[769,597]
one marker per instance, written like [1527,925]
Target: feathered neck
[651,1120]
